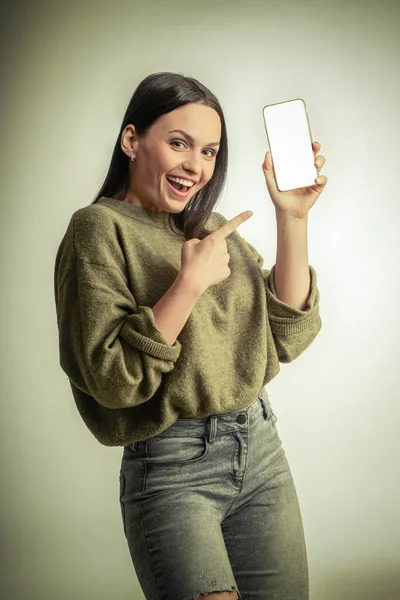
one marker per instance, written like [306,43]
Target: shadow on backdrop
[368,584]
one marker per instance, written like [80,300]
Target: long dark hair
[157,95]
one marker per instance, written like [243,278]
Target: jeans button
[241,419]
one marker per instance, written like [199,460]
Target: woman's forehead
[194,119]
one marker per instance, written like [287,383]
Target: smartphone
[290,143]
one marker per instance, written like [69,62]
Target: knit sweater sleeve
[293,330]
[110,347]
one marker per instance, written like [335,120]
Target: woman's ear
[129,140]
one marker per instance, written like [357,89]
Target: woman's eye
[177,142]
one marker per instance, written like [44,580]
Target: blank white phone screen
[290,142]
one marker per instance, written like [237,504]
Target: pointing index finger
[230,226]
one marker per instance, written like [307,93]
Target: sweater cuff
[280,311]
[140,330]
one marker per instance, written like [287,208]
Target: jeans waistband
[222,423]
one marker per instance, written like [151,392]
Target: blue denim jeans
[209,505]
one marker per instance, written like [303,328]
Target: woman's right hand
[205,262]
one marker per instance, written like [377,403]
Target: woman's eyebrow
[189,137]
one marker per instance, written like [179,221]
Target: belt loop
[212,428]
[134,446]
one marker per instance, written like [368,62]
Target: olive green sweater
[114,263]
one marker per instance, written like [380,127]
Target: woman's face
[181,144]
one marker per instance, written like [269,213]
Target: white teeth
[182,181]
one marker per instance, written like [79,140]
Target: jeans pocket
[174,451]
[271,416]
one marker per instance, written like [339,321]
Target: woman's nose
[192,163]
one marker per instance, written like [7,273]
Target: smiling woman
[175,135]
[168,345]
[167,169]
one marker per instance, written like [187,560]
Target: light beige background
[68,72]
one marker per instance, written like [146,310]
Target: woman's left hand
[295,203]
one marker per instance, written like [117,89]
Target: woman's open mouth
[179,189]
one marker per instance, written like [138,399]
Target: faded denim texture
[210,505]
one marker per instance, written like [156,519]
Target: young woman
[169,331]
